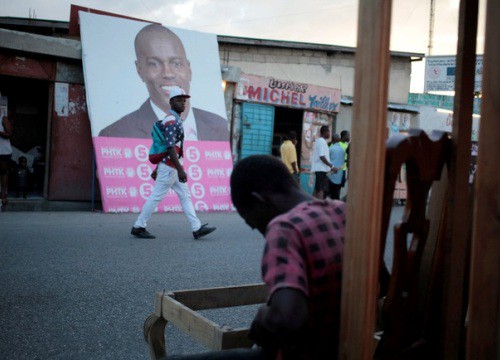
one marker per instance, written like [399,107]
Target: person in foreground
[171,174]
[301,263]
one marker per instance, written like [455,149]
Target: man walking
[337,158]
[170,173]
[289,154]
[321,162]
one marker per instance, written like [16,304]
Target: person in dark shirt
[301,264]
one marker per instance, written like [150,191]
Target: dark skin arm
[180,170]
[7,133]
[281,322]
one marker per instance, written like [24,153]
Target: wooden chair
[179,308]
[410,312]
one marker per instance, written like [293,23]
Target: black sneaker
[204,230]
[142,233]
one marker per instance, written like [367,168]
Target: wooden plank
[364,208]
[192,323]
[457,234]
[214,298]
[236,338]
[483,339]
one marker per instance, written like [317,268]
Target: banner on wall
[130,67]
[440,73]
[287,93]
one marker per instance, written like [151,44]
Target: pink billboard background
[124,175]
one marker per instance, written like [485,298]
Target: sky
[332,22]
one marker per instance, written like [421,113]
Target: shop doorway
[27,100]
[256,129]
[286,120]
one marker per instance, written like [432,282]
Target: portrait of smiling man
[162,65]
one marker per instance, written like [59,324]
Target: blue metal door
[257,129]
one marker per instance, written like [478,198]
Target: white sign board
[440,73]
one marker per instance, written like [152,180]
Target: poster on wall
[130,67]
[440,73]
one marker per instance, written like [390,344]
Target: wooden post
[458,225]
[366,177]
[483,341]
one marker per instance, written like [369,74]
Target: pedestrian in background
[170,172]
[288,152]
[320,164]
[337,158]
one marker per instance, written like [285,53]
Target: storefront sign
[287,93]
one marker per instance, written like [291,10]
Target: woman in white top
[5,156]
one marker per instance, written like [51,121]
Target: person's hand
[335,170]
[182,176]
[261,335]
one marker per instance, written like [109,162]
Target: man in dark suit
[162,65]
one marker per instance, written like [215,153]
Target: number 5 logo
[143,171]
[197,190]
[200,206]
[192,154]
[145,190]
[195,172]
[141,152]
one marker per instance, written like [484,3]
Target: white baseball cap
[177,91]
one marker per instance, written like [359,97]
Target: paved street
[76,285]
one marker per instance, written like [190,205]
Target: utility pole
[431,27]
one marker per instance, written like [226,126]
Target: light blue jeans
[168,178]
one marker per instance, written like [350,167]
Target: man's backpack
[159,149]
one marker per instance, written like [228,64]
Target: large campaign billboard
[130,67]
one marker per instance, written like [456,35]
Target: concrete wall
[431,119]
[312,67]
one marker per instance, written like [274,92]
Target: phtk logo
[128,153]
[132,191]
[130,172]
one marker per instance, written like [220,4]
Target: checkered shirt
[304,251]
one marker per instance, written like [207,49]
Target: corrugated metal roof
[391,106]
[303,46]
[329,49]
